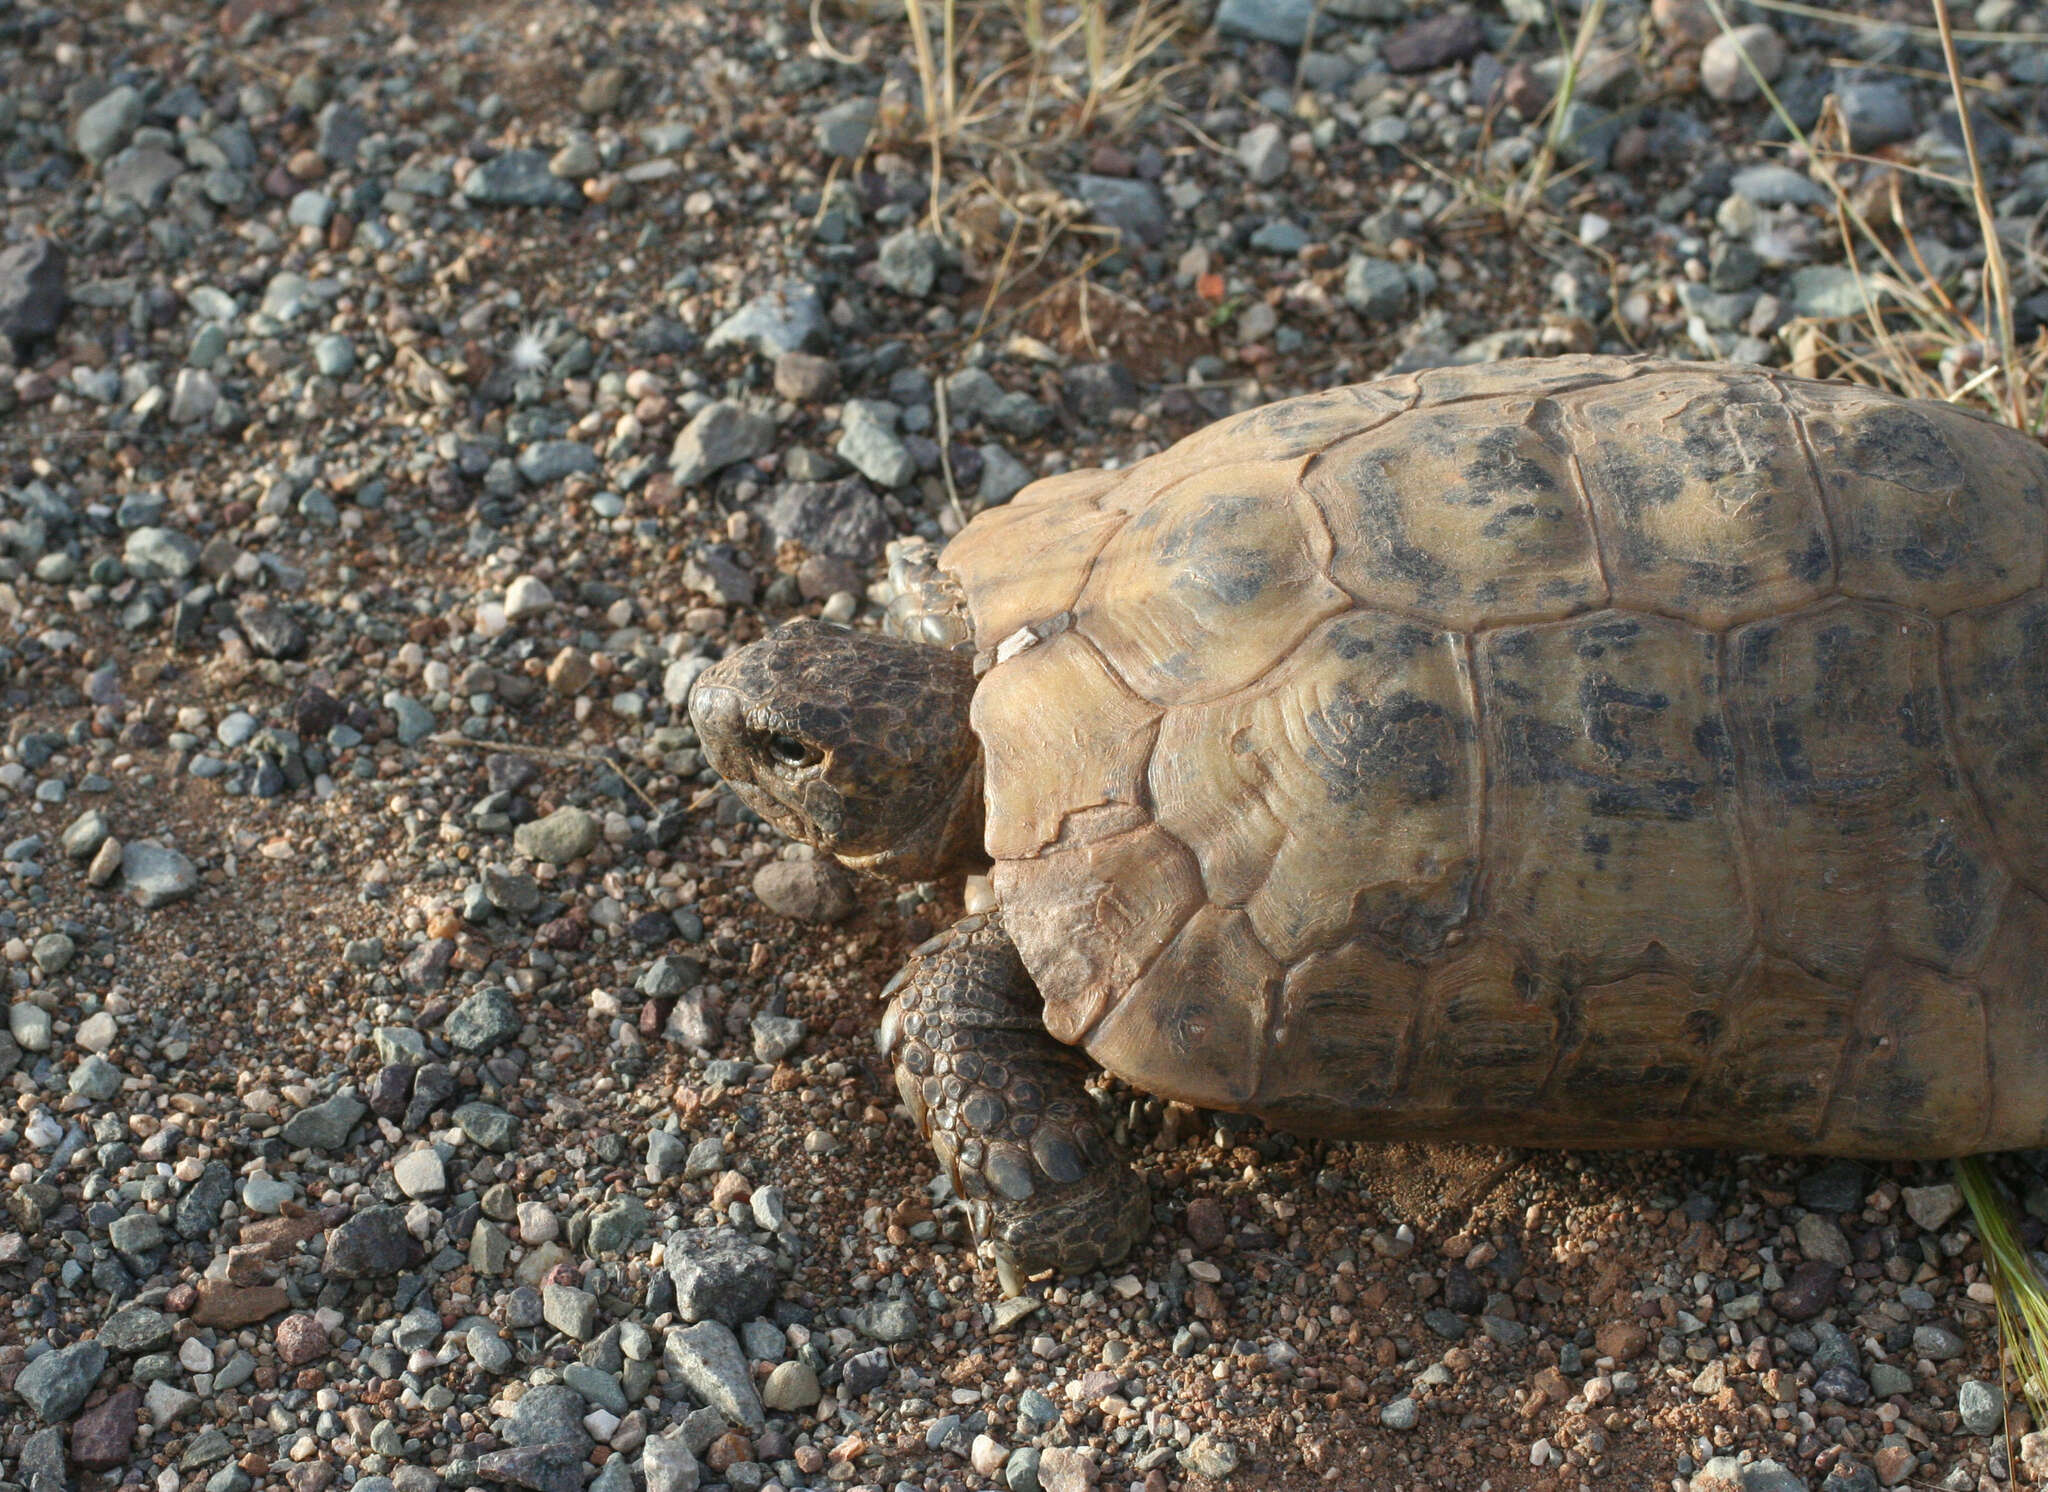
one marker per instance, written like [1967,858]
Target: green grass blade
[2017,1285]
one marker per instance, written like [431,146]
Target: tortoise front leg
[1003,1106]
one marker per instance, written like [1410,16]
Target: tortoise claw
[1005,1109]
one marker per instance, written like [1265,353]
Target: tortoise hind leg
[1003,1106]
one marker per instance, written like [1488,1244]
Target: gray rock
[665,1154]
[669,1464]
[843,518]
[1831,290]
[1285,23]
[864,1372]
[719,1275]
[908,263]
[519,178]
[373,1244]
[1003,476]
[1262,151]
[1932,1207]
[1938,1343]
[1877,112]
[415,720]
[548,461]
[776,1036]
[32,292]
[707,1358]
[549,1414]
[1769,184]
[1982,1407]
[567,834]
[1376,289]
[152,551]
[1888,1379]
[95,1079]
[551,1467]
[571,1311]
[55,1385]
[334,355]
[136,1330]
[1723,72]
[718,435]
[137,1233]
[843,129]
[719,571]
[488,1126]
[789,317]
[1820,1238]
[596,1385]
[890,1320]
[325,1126]
[487,1019]
[85,835]
[1135,207]
[141,174]
[868,443]
[105,126]
[194,396]
[615,1226]
[488,1350]
[813,891]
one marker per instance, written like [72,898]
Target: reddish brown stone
[1207,1226]
[225,1304]
[728,1450]
[300,1339]
[103,1436]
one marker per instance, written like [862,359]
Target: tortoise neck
[949,836]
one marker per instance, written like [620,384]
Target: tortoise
[1570,752]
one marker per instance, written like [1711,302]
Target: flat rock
[718,435]
[519,178]
[32,292]
[544,1468]
[549,1414]
[719,1275]
[1436,41]
[325,1126]
[788,317]
[707,1358]
[815,891]
[55,1385]
[567,834]
[373,1244]
[157,876]
[104,1436]
[486,1020]
[843,518]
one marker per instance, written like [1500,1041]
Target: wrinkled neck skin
[949,838]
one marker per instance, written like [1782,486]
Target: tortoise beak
[719,716]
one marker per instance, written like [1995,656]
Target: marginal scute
[1703,496]
[1611,832]
[1464,517]
[1776,1049]
[1855,809]
[1530,378]
[1022,564]
[1364,739]
[1088,920]
[1059,736]
[1193,1027]
[1932,507]
[1205,590]
[1916,1077]
[1997,662]
[2016,1022]
[1636,1047]
[1341,1043]
[1487,1036]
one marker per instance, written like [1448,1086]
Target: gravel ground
[424,1076]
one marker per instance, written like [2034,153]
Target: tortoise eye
[790,751]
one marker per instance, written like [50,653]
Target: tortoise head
[850,741]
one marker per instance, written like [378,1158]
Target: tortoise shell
[1579,751]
